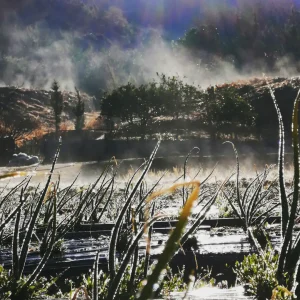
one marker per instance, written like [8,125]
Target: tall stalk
[30,228]
[184,172]
[287,249]
[172,243]
[282,191]
[116,229]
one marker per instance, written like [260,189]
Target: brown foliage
[36,134]
[94,122]
[17,128]
[67,125]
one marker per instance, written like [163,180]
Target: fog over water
[172,170]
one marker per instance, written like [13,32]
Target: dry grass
[67,125]
[93,121]
[36,134]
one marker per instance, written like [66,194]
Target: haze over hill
[97,45]
[173,16]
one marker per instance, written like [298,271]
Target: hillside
[101,45]
[35,105]
[173,16]
[257,92]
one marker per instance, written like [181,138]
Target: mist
[36,56]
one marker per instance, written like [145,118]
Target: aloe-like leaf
[184,171]
[253,202]
[86,201]
[10,216]
[142,203]
[15,257]
[282,195]
[47,253]
[66,192]
[13,191]
[96,273]
[172,243]
[291,220]
[135,255]
[44,242]
[237,181]
[201,215]
[109,186]
[232,205]
[29,230]
[265,214]
[262,204]
[119,275]
[74,217]
[148,245]
[6,220]
[129,184]
[116,229]
[107,201]
[254,240]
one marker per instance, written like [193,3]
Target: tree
[148,105]
[57,104]
[256,32]
[225,111]
[78,111]
[169,96]
[134,105]
[179,98]
[119,103]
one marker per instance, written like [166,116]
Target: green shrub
[127,289]
[173,282]
[8,287]
[258,274]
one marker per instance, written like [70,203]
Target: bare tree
[13,124]
[17,128]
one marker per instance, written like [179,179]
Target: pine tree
[79,112]
[57,104]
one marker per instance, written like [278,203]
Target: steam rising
[43,65]
[33,61]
